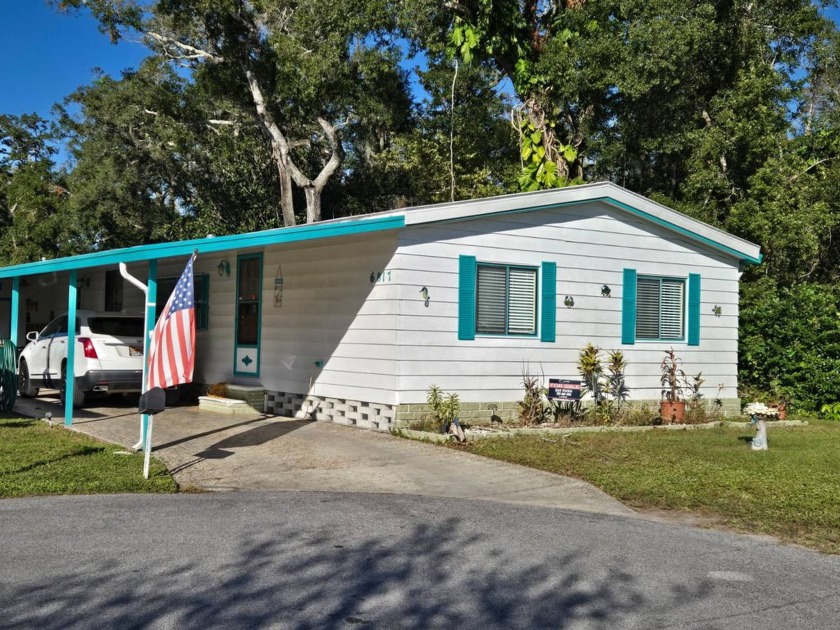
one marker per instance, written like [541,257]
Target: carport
[73,268]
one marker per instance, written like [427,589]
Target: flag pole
[147,449]
[147,377]
[144,418]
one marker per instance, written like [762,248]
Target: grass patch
[37,459]
[791,491]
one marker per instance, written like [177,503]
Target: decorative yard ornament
[605,291]
[569,301]
[424,292]
[758,413]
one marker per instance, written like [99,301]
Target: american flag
[172,354]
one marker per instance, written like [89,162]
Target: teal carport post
[151,307]
[14,308]
[70,371]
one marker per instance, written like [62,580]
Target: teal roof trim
[208,245]
[683,231]
[632,210]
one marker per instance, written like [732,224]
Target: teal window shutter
[549,302]
[466,297]
[628,308]
[694,309]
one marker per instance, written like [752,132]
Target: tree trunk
[313,203]
[281,151]
[287,207]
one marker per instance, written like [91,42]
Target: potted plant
[672,406]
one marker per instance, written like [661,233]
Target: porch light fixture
[569,301]
[605,291]
[223,268]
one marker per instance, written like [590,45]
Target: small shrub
[566,410]
[590,369]
[616,385]
[830,412]
[642,416]
[533,408]
[445,408]
[673,377]
[609,390]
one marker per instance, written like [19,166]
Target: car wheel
[78,395]
[24,382]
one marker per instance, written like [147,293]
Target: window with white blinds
[506,300]
[660,308]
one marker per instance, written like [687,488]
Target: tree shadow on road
[441,575]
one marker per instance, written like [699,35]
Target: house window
[201,287]
[506,300]
[660,309]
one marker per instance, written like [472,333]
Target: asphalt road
[317,560]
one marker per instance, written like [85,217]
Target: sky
[46,55]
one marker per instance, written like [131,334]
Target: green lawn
[36,458]
[791,491]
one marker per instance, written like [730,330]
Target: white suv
[109,356]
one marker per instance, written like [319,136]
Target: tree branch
[190,53]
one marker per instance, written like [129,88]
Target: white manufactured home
[352,320]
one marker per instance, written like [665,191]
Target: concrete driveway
[211,451]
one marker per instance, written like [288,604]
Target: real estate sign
[563,389]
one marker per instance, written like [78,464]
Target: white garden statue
[758,413]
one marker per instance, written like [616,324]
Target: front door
[248,315]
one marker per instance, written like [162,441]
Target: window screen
[506,300]
[660,308]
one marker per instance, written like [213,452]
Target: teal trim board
[466,297]
[258,301]
[628,308]
[694,309]
[549,302]
[207,245]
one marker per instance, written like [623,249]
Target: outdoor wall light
[425,293]
[223,268]
[605,291]
[569,301]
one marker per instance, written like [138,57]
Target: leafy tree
[32,195]
[790,341]
[447,153]
[301,69]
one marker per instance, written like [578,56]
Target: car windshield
[116,326]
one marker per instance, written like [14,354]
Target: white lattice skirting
[359,413]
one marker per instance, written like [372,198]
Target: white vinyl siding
[660,309]
[506,299]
